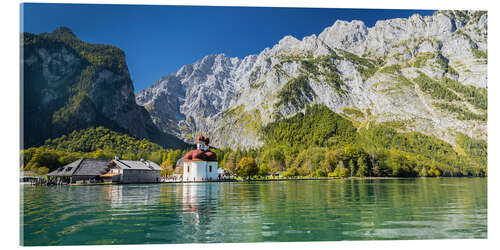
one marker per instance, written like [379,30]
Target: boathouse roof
[137,165]
[82,167]
[92,167]
[96,167]
[28,174]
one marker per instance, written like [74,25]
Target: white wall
[199,171]
[213,174]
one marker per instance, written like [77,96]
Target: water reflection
[198,200]
[255,212]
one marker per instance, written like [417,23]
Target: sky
[159,39]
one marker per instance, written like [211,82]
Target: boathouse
[103,170]
[125,171]
[200,164]
[81,170]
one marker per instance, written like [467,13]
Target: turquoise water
[326,210]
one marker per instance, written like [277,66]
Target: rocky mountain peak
[64,31]
[377,71]
[288,41]
[344,34]
[68,90]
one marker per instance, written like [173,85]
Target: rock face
[69,85]
[427,73]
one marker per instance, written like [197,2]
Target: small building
[200,164]
[28,177]
[125,171]
[223,174]
[81,170]
[102,170]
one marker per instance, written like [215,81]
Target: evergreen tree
[362,167]
[351,167]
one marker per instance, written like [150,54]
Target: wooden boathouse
[125,171]
[88,170]
[81,170]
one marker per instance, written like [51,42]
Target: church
[200,164]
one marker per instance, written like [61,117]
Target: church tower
[200,164]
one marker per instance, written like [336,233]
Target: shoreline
[263,180]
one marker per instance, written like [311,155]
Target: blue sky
[158,40]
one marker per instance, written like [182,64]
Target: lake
[316,210]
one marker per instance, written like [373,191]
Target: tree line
[98,143]
[323,143]
[316,143]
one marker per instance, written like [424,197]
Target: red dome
[200,155]
[200,138]
[203,139]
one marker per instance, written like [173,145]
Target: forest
[323,143]
[316,143]
[99,143]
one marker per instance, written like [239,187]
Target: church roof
[203,139]
[200,155]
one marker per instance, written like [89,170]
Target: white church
[200,164]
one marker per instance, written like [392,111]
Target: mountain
[427,74]
[69,85]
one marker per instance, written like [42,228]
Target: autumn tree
[247,167]
[263,170]
[291,172]
[230,163]
[43,170]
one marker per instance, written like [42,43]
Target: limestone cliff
[427,74]
[69,84]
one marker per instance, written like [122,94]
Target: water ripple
[254,212]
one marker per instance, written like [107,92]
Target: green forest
[316,143]
[323,143]
[99,143]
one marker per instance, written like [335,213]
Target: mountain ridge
[69,85]
[346,66]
